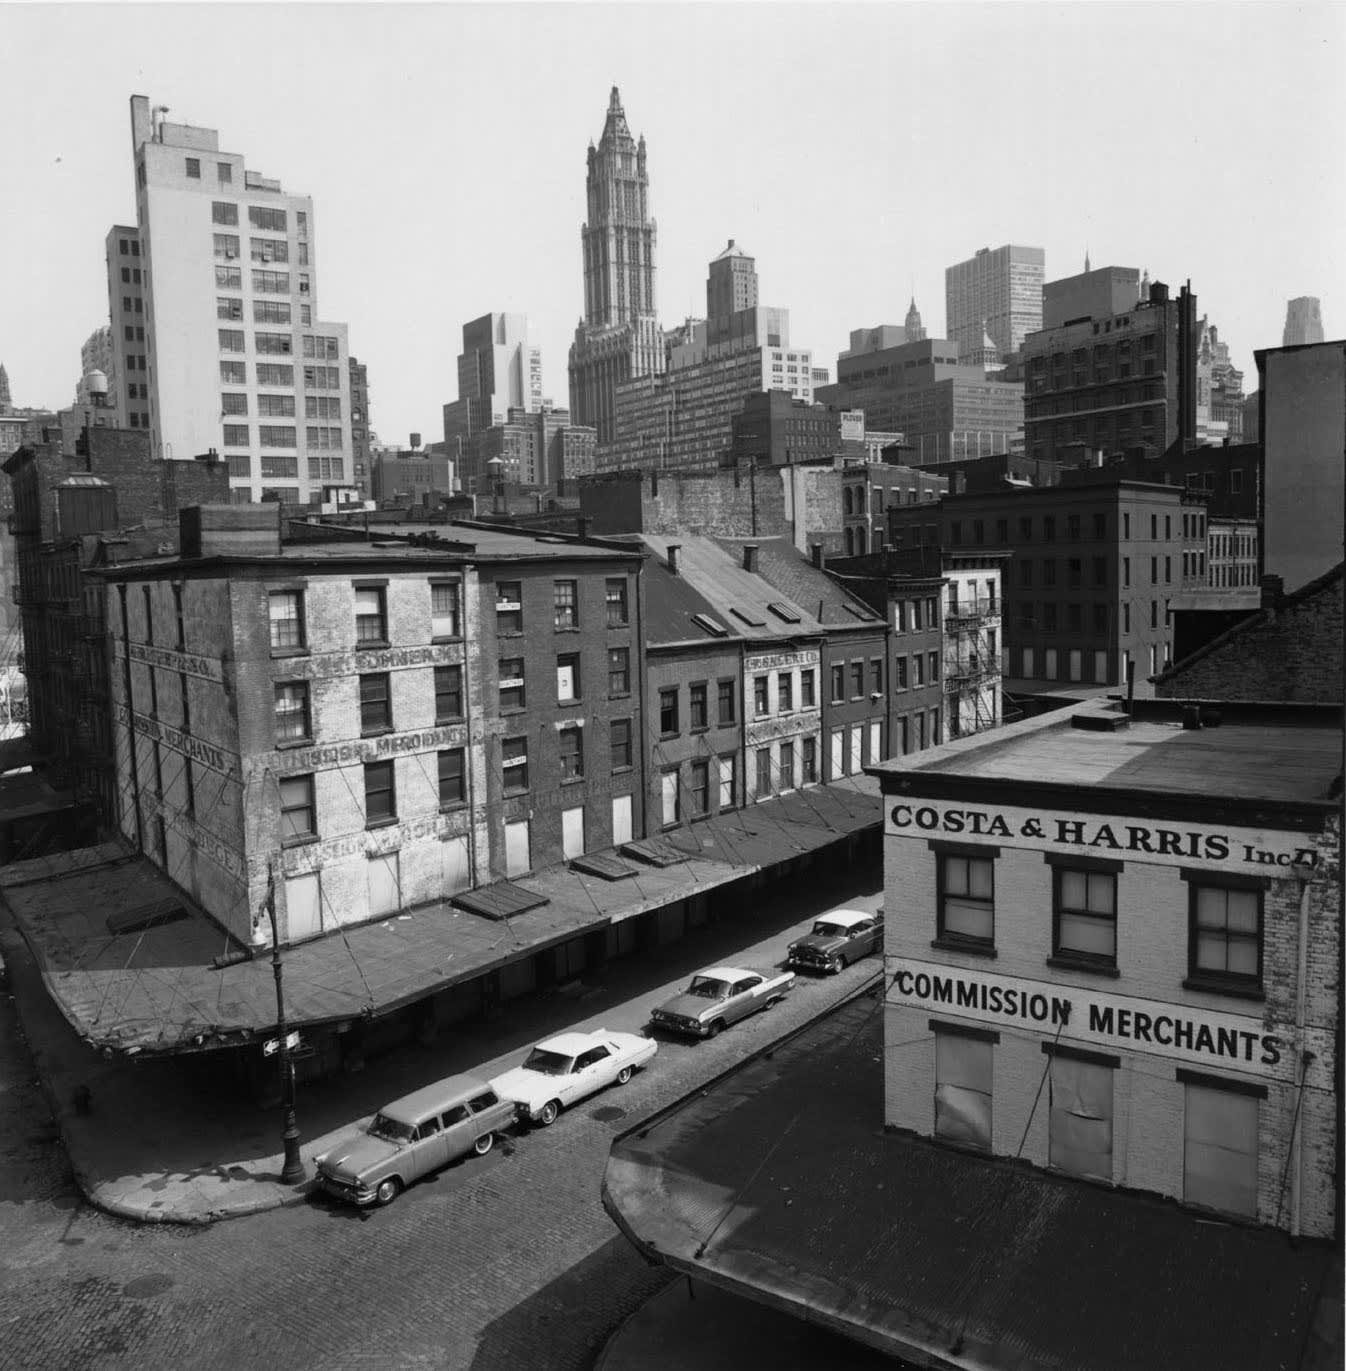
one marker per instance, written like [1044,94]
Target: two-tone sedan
[569,1067]
[718,997]
[836,940]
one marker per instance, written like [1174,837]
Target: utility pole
[292,1172]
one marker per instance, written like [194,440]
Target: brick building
[869,489]
[371,724]
[1094,566]
[1173,1027]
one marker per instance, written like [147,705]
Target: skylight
[709,625]
[783,612]
[747,618]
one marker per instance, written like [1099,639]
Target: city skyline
[827,159]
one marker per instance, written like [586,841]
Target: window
[900,616]
[282,467]
[808,761]
[376,706]
[452,777]
[761,695]
[226,278]
[235,374]
[1079,1120]
[1026,529]
[276,435]
[1100,618]
[567,677]
[932,667]
[615,598]
[271,311]
[292,712]
[1220,1148]
[1073,527]
[700,787]
[963,1088]
[725,693]
[808,695]
[509,607]
[275,343]
[785,691]
[1100,527]
[194,168]
[380,794]
[763,772]
[234,404]
[668,712]
[223,212]
[1049,528]
[876,676]
[320,348]
[268,249]
[298,810]
[900,672]
[231,340]
[371,622]
[448,693]
[514,765]
[225,173]
[322,407]
[787,765]
[857,680]
[619,671]
[1225,933]
[572,753]
[967,899]
[444,616]
[511,683]
[263,217]
[1049,571]
[917,669]
[565,604]
[698,715]
[1084,914]
[838,684]
[322,378]
[1126,571]
[225,308]
[620,744]
[728,780]
[671,808]
[286,610]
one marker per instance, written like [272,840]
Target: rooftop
[779,1182]
[1256,753]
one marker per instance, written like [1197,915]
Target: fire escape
[972,665]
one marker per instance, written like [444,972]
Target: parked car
[837,940]
[413,1136]
[569,1067]
[716,998]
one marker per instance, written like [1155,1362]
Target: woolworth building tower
[619,336]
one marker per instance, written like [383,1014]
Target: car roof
[572,1044]
[847,918]
[433,1099]
[728,973]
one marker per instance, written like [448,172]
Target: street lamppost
[292,1172]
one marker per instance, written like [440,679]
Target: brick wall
[1288,653]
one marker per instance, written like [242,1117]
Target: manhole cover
[608,1113]
[143,1287]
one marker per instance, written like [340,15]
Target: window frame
[449,754]
[954,938]
[287,809]
[1091,869]
[565,605]
[370,699]
[300,645]
[448,685]
[1206,978]
[379,589]
[384,766]
[304,714]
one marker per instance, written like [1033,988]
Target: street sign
[272,1045]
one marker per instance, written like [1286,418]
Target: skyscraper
[915,330]
[619,336]
[731,285]
[6,403]
[211,345]
[996,291]
[1303,321]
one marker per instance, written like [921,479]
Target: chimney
[673,550]
[582,526]
[750,557]
[817,550]
[1273,589]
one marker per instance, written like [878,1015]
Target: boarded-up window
[1220,1150]
[1080,1095]
[963,1089]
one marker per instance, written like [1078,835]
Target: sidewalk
[177,1140]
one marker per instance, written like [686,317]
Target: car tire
[716,1029]
[547,1115]
[388,1190]
[838,965]
[625,1074]
[484,1144]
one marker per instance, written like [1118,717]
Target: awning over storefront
[134,983]
[779,1183]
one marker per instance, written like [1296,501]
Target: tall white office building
[996,292]
[229,350]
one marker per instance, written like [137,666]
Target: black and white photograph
[671,686]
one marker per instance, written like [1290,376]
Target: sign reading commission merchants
[1264,852]
[1195,1036]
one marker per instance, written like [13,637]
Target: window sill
[506,710]
[376,732]
[381,823]
[453,807]
[567,628]
[291,743]
[973,949]
[306,840]
[622,770]
[447,638]
[280,653]
[1210,986]
[1063,962]
[371,645]
[513,794]
[567,704]
[572,780]
[509,633]
[704,728]
[448,723]
[619,695]
[664,737]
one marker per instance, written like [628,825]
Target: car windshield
[823,929]
[548,1063]
[392,1129]
[708,988]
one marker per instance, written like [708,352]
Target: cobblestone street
[503,1261]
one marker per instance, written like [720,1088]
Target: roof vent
[673,550]
[709,625]
[750,557]
[1191,717]
[1099,723]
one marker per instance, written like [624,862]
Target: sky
[855,149]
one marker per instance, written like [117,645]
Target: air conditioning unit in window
[229,256]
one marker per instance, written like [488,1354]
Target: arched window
[850,535]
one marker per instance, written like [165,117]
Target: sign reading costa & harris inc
[1085,1017]
[1265,852]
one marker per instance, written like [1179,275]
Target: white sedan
[568,1068]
